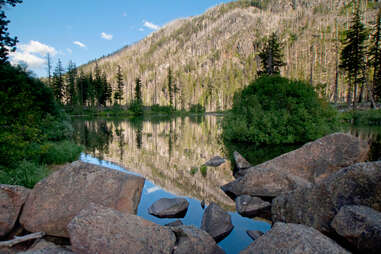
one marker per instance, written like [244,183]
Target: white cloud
[69,51]
[38,47]
[151,25]
[78,43]
[25,57]
[153,189]
[141,29]
[106,36]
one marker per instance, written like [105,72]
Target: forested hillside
[213,55]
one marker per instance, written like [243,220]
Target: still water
[169,153]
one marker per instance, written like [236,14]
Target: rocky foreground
[321,198]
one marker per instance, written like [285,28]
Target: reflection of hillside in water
[162,151]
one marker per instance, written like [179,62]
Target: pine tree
[271,56]
[138,91]
[353,55]
[170,86]
[118,95]
[7,43]
[71,76]
[375,57]
[58,82]
[107,91]
[98,85]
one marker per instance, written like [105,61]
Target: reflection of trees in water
[372,134]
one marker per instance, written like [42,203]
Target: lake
[169,153]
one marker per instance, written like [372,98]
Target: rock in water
[216,222]
[252,206]
[58,198]
[193,240]
[240,162]
[12,198]
[169,208]
[295,239]
[254,234]
[360,226]
[215,161]
[104,230]
[311,163]
[175,223]
[359,184]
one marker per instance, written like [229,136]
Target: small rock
[54,201]
[194,240]
[215,161]
[203,204]
[175,223]
[295,239]
[12,198]
[216,222]
[252,206]
[240,161]
[360,226]
[254,234]
[98,229]
[169,208]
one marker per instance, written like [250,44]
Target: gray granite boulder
[98,229]
[215,161]
[254,234]
[169,208]
[360,226]
[293,239]
[359,184]
[12,198]
[194,240]
[54,201]
[252,206]
[216,222]
[240,162]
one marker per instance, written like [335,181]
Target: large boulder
[359,184]
[193,240]
[254,234]
[252,206]
[58,198]
[264,183]
[215,161]
[45,247]
[216,222]
[360,226]
[293,239]
[12,198]
[98,229]
[169,208]
[311,163]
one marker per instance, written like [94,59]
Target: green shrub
[275,110]
[193,170]
[26,174]
[196,108]
[203,170]
[59,153]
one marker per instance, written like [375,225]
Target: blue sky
[83,30]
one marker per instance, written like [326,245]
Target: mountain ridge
[214,54]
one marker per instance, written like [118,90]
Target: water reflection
[164,151]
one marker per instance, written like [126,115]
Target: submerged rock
[175,223]
[104,230]
[193,240]
[216,222]
[360,226]
[295,239]
[252,206]
[12,198]
[254,234]
[215,161]
[300,168]
[359,184]
[169,208]
[55,200]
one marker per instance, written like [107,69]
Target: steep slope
[215,54]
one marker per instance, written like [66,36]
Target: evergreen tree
[138,91]
[71,76]
[353,55]
[118,95]
[82,88]
[7,43]
[58,82]
[375,57]
[107,91]
[170,86]
[271,56]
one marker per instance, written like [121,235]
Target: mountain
[215,54]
